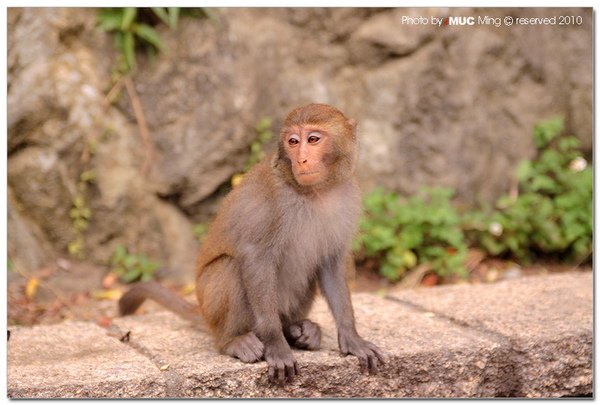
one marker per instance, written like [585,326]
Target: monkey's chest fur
[280,237]
[314,231]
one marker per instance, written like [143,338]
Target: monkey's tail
[135,297]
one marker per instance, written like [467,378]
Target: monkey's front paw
[248,348]
[369,355]
[282,365]
[305,335]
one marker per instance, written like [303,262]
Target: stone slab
[530,337]
[429,357]
[77,360]
[548,321]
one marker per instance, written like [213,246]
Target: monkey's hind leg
[247,347]
[304,334]
[227,311]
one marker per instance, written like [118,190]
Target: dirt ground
[69,290]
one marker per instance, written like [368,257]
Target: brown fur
[274,239]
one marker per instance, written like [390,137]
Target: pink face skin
[306,147]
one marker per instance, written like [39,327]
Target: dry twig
[141,120]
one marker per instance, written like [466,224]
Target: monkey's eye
[314,137]
[294,139]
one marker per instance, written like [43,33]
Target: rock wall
[451,106]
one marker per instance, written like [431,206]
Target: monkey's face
[309,151]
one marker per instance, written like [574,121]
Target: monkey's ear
[353,125]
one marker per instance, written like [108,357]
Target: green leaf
[88,176]
[409,259]
[120,253]
[569,143]
[130,261]
[173,17]
[131,275]
[390,272]
[110,19]
[545,131]
[118,41]
[129,49]
[129,14]
[543,183]
[411,236]
[149,34]
[161,13]
[264,124]
[523,170]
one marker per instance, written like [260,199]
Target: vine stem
[141,120]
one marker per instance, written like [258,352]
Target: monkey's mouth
[308,173]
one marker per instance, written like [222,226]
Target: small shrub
[402,233]
[133,26]
[129,31]
[264,135]
[130,267]
[552,214]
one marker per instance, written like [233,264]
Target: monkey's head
[317,146]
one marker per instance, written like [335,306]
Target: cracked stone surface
[548,321]
[530,337]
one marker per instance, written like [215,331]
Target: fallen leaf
[31,287]
[104,321]
[109,280]
[112,295]
[236,179]
[188,289]
[165,367]
[430,280]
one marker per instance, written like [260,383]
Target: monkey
[280,233]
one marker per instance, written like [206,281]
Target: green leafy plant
[264,135]
[134,27]
[131,267]
[552,213]
[129,30]
[405,232]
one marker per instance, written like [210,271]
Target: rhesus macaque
[286,227]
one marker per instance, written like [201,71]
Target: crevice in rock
[512,356]
[172,379]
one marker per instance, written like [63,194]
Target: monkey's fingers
[271,373]
[363,360]
[281,378]
[381,355]
[290,371]
[276,373]
[373,363]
